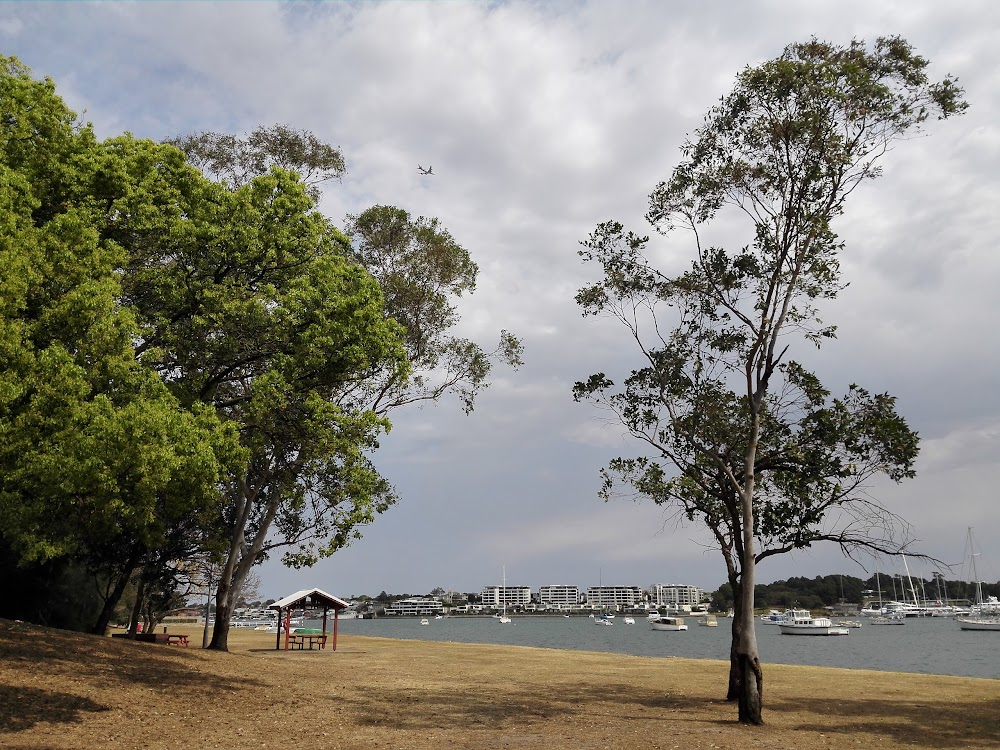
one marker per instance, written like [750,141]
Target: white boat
[849,624]
[504,619]
[630,621]
[708,621]
[603,620]
[985,614]
[774,617]
[801,622]
[981,622]
[424,621]
[663,622]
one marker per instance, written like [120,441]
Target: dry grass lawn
[67,690]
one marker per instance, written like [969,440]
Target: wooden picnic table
[299,640]
[176,639]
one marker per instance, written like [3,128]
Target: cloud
[541,120]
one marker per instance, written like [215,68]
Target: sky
[540,120]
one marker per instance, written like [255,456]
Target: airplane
[429,170]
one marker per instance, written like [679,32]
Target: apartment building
[415,607]
[614,597]
[558,596]
[511,596]
[675,596]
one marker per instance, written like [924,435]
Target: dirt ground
[73,691]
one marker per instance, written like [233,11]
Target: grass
[68,690]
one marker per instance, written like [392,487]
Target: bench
[171,639]
[299,640]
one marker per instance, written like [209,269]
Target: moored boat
[978,623]
[801,622]
[663,622]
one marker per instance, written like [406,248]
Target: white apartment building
[559,596]
[415,607]
[511,596]
[613,597]
[675,596]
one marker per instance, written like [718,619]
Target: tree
[236,161]
[310,401]
[761,453]
[97,458]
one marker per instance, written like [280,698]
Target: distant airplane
[429,170]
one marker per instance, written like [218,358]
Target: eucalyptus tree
[305,340]
[744,438]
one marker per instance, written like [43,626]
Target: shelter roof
[313,597]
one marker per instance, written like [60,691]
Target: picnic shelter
[307,599]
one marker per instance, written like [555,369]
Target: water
[928,645]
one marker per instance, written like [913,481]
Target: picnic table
[175,639]
[299,640]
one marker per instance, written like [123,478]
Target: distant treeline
[826,591]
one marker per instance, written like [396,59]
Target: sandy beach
[69,690]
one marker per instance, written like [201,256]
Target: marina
[927,645]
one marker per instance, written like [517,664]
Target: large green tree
[744,438]
[324,487]
[98,460]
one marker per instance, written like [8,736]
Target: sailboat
[985,615]
[504,619]
[880,618]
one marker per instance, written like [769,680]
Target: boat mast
[916,602]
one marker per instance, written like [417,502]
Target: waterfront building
[676,596]
[614,597]
[511,596]
[559,596]
[415,607]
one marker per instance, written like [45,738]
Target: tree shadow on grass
[23,707]
[934,724]
[57,654]
[510,705]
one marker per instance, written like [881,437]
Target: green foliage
[97,457]
[422,270]
[236,161]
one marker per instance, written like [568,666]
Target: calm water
[931,645]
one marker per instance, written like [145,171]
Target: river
[929,645]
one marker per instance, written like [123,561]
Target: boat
[801,622]
[504,619]
[985,614]
[887,620]
[630,621]
[424,621]
[664,622]
[849,624]
[774,617]
[603,620]
[708,621]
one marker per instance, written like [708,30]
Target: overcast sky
[541,120]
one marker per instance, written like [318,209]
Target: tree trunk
[733,694]
[104,619]
[239,561]
[140,592]
[749,675]
[223,616]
